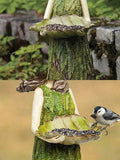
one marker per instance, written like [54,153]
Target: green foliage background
[105,8]
[10,6]
[24,63]
[28,62]
[100,8]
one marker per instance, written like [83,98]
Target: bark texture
[55,104]
[67,7]
[70,59]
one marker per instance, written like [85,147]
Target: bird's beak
[93,116]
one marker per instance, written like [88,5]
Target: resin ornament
[62,26]
[69,130]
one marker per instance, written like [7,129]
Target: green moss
[48,151]
[68,7]
[56,103]
[69,58]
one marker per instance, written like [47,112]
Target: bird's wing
[111,115]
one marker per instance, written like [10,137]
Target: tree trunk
[68,58]
[47,151]
[55,104]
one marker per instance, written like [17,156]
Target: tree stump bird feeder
[64,27]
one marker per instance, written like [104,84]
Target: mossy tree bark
[68,58]
[55,104]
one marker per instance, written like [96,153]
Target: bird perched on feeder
[105,116]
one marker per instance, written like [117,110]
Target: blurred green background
[99,8]
[16,138]
[18,58]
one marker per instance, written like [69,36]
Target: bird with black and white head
[105,116]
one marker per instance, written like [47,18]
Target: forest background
[18,59]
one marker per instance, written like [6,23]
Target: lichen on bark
[69,59]
[47,151]
[67,7]
[55,104]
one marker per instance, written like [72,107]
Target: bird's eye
[99,111]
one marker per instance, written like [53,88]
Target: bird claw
[105,128]
[106,132]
